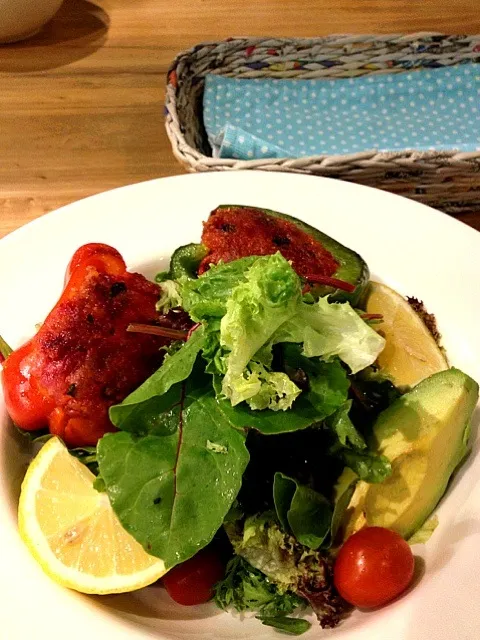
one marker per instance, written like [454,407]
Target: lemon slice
[410,354]
[72,531]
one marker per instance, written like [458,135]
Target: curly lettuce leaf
[206,297]
[245,588]
[170,296]
[290,565]
[271,389]
[268,298]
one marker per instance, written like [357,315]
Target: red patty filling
[236,232]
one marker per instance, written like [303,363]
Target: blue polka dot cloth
[428,109]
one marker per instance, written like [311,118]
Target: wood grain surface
[81,103]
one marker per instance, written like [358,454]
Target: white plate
[411,247]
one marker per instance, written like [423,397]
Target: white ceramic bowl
[413,248]
[21,19]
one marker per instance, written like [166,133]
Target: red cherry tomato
[374,566]
[192,581]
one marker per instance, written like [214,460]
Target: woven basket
[448,180]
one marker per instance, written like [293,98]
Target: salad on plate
[263,426]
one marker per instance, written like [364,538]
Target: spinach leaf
[161,475]
[301,510]
[344,428]
[351,449]
[267,421]
[310,516]
[326,383]
[341,505]
[145,402]
[368,466]
[87,455]
[293,626]
[303,414]
[283,491]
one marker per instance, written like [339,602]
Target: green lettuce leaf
[268,298]
[170,296]
[163,473]
[332,329]
[206,297]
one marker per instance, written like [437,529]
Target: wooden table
[81,104]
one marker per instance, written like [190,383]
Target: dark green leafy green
[371,393]
[247,589]
[87,455]
[143,404]
[267,421]
[293,626]
[301,510]
[327,382]
[368,466]
[350,447]
[328,390]
[161,475]
[310,516]
[341,505]
[283,491]
[346,432]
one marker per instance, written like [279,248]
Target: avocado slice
[424,434]
[351,267]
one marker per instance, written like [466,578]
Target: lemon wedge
[410,354]
[72,531]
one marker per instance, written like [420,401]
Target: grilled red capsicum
[83,360]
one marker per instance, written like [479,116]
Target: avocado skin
[424,434]
[352,268]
